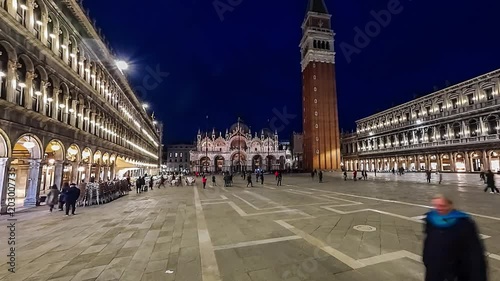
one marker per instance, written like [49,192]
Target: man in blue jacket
[453,250]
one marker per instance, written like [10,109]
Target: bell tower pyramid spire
[319,91]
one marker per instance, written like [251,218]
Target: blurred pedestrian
[453,250]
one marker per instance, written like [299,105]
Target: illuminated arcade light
[55,147]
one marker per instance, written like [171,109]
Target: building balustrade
[427,145]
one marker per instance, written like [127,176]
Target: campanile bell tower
[319,93]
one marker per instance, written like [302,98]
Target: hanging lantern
[29,144]
[55,146]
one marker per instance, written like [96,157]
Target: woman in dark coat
[62,196]
[53,197]
[452,248]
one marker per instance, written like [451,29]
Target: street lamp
[122,65]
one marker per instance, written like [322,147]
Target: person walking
[345,175]
[62,196]
[138,188]
[453,249]
[490,182]
[440,177]
[249,180]
[428,175]
[482,176]
[214,183]
[162,182]
[280,177]
[71,197]
[204,181]
[53,197]
[151,182]
[320,176]
[276,174]
[375,171]
[354,175]
[262,178]
[312,176]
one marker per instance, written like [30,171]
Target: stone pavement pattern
[303,230]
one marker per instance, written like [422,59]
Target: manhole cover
[364,228]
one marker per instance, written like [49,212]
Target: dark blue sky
[248,63]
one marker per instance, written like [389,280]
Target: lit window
[489,93]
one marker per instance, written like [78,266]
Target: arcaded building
[319,93]
[237,150]
[67,113]
[452,130]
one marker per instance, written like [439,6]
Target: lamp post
[206,145]
[268,158]
[239,148]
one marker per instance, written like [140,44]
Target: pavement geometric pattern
[302,230]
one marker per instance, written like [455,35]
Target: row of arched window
[32,88]
[440,105]
[53,33]
[323,45]
[457,130]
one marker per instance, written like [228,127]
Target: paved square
[303,230]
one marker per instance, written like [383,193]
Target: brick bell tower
[319,93]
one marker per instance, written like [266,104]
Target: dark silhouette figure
[72,195]
[490,182]
[249,180]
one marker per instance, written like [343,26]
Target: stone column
[58,173]
[452,162]
[467,162]
[105,174]
[28,90]
[486,161]
[4,177]
[439,163]
[30,17]
[55,102]
[11,81]
[74,172]
[32,184]
[80,118]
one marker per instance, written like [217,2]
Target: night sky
[246,62]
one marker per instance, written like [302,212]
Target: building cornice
[453,88]
[317,56]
